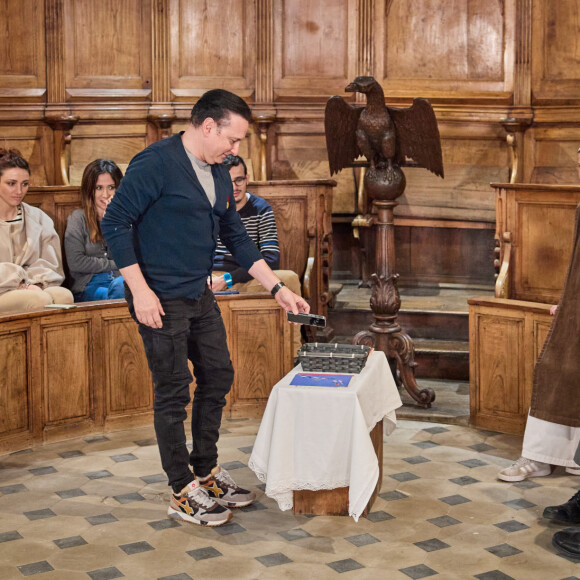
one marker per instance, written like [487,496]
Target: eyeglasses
[239,180]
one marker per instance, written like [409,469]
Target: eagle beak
[352,88]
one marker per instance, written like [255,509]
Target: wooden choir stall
[535,231]
[69,372]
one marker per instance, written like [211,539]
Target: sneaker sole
[514,478]
[181,517]
[572,471]
[233,504]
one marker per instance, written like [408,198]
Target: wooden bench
[68,373]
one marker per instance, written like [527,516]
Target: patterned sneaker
[221,487]
[524,468]
[193,505]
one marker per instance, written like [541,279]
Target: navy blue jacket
[160,218]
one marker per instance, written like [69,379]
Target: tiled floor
[96,508]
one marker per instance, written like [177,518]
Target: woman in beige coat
[30,256]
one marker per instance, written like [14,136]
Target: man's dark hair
[218,104]
[233,161]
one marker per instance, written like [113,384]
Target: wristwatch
[276,287]
[228,279]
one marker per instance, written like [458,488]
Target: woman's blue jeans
[103,286]
[192,330]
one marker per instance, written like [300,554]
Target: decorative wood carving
[62,126]
[523,57]
[55,57]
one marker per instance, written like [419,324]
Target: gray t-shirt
[203,172]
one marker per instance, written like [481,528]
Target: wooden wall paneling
[212,46]
[551,150]
[505,340]
[315,48]
[459,49]
[35,143]
[68,405]
[16,387]
[546,233]
[461,253]
[128,384]
[555,63]
[117,141]
[473,154]
[539,222]
[256,327]
[107,50]
[497,369]
[299,152]
[22,53]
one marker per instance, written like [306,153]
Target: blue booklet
[316,380]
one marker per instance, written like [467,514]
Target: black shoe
[567,513]
[568,542]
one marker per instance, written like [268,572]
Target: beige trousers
[15,301]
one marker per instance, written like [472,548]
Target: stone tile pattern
[97,507]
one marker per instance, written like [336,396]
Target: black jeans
[194,330]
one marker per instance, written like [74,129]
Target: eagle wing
[340,124]
[418,136]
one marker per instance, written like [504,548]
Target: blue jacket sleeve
[141,186]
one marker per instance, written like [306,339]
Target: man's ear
[207,125]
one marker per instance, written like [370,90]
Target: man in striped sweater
[258,219]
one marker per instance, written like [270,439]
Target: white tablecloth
[318,437]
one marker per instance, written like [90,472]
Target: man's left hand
[291,302]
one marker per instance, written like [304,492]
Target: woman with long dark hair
[30,257]
[93,273]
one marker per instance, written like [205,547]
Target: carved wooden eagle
[384,135]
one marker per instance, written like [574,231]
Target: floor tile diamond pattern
[96,508]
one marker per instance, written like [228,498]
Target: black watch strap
[276,288]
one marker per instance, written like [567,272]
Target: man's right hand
[218,284]
[148,309]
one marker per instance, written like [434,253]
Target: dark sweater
[161,219]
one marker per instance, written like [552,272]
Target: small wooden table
[334,502]
[319,449]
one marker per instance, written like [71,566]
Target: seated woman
[30,257]
[93,273]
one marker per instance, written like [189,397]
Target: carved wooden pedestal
[385,333]
[334,502]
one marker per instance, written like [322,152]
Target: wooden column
[161,115]
[263,111]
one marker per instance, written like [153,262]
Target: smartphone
[308,319]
